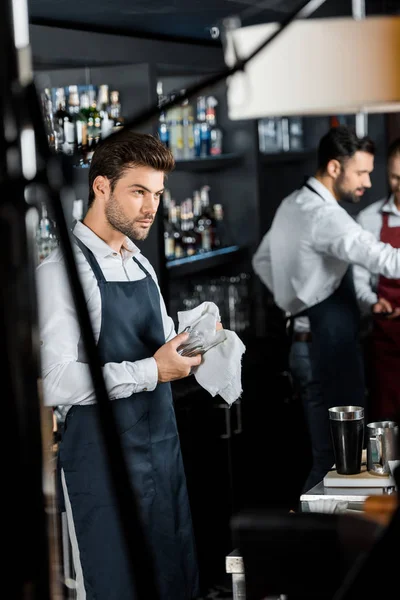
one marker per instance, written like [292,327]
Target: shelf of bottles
[191,132]
[230,293]
[77,117]
[193,228]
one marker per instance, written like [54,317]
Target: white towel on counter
[220,371]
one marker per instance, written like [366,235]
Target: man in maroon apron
[383,295]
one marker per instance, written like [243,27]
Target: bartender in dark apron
[385,342]
[132,329]
[337,366]
[306,260]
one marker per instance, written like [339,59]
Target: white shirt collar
[390,207]
[99,248]
[321,189]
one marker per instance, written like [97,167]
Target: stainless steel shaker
[382,446]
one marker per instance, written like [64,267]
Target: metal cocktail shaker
[347,430]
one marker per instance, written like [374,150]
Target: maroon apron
[385,355]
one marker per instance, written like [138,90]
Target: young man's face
[394,176]
[132,206]
[354,177]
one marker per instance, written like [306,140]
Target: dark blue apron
[337,367]
[131,330]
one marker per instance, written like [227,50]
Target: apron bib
[337,367]
[131,330]
[385,342]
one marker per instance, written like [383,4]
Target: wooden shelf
[209,163]
[287,157]
[201,262]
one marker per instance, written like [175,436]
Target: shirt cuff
[367,302]
[146,374]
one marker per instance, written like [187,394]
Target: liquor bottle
[163,129]
[201,130]
[296,133]
[206,222]
[189,236]
[48,118]
[222,237]
[103,105]
[46,239]
[270,135]
[94,128]
[63,121]
[188,131]
[82,128]
[216,134]
[115,111]
[78,121]
[175,221]
[175,125]
[169,238]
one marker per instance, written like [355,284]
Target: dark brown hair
[341,143]
[127,149]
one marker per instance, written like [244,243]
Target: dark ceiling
[189,20]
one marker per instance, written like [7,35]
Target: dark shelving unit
[209,163]
[287,157]
[201,262]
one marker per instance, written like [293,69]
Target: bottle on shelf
[103,106]
[175,126]
[78,120]
[222,238]
[201,130]
[176,224]
[206,223]
[189,235]
[216,135]
[270,135]
[169,238]
[48,118]
[189,151]
[64,125]
[296,136]
[163,129]
[93,125]
[115,110]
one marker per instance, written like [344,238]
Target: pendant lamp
[316,67]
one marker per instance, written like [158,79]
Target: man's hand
[384,306]
[172,365]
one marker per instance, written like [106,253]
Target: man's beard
[120,222]
[346,195]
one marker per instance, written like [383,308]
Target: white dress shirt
[65,372]
[370,218]
[312,241]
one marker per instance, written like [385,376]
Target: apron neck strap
[88,254]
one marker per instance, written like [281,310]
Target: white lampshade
[317,67]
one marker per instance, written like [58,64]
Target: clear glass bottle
[115,110]
[216,135]
[64,125]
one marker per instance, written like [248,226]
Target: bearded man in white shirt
[138,349]
[305,260]
[379,298]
